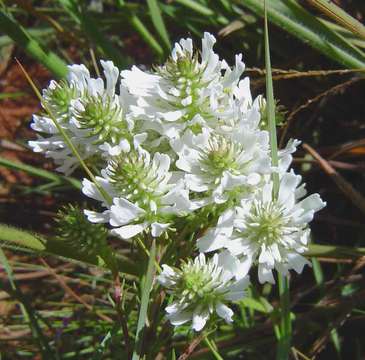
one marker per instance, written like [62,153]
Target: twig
[73,294]
[331,91]
[190,349]
[352,194]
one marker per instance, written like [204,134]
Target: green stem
[285,323]
[213,348]
[283,348]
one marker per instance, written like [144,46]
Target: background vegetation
[52,308]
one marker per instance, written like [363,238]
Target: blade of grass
[146,289]
[158,22]
[333,251]
[283,348]
[44,174]
[23,240]
[294,19]
[23,39]
[340,16]
[213,349]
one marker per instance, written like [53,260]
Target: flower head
[223,164]
[272,231]
[185,93]
[144,194]
[91,114]
[199,288]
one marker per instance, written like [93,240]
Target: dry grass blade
[332,91]
[69,291]
[339,15]
[190,349]
[352,194]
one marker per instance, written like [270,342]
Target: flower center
[103,119]
[198,284]
[185,76]
[59,98]
[136,180]
[219,156]
[265,223]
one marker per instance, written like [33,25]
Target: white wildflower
[92,114]
[187,92]
[145,194]
[227,163]
[273,232]
[200,288]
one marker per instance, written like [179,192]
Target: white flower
[187,92]
[200,288]
[93,116]
[273,232]
[145,194]
[226,163]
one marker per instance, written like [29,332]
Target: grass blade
[285,321]
[41,173]
[158,22]
[23,39]
[294,19]
[17,239]
[340,16]
[146,289]
[21,238]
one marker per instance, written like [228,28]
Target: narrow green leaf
[293,18]
[44,174]
[158,22]
[285,322]
[270,109]
[261,305]
[21,238]
[17,239]
[23,39]
[147,285]
[333,251]
[196,6]
[340,16]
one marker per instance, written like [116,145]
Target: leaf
[23,240]
[340,16]
[23,39]
[158,22]
[44,174]
[294,19]
[146,289]
[261,304]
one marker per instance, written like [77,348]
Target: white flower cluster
[183,139]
